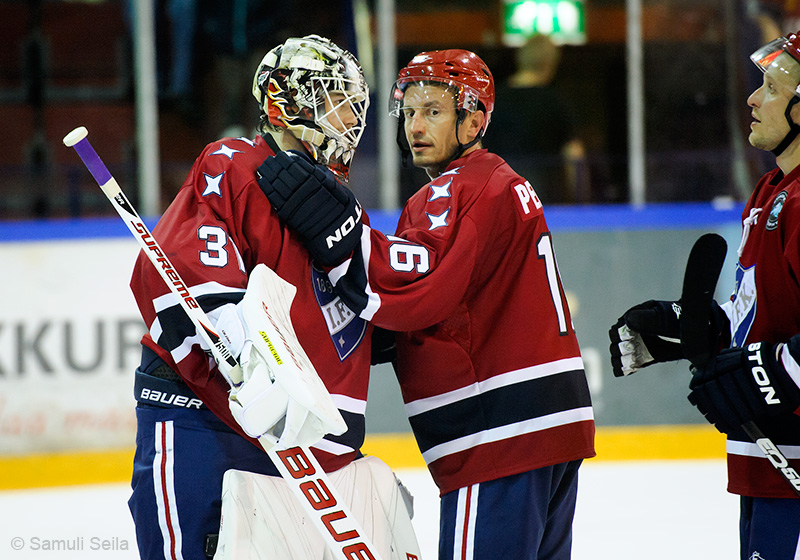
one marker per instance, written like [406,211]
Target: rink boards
[69,334]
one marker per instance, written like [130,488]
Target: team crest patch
[743,310]
[345,327]
[777,206]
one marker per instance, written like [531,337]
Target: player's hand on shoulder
[646,334]
[309,199]
[742,384]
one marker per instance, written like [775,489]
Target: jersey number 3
[216,239]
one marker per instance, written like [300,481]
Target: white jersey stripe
[790,364]
[747,449]
[164,484]
[349,404]
[373,299]
[332,447]
[507,432]
[420,406]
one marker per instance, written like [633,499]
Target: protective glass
[432,93]
[772,58]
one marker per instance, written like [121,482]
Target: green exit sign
[563,20]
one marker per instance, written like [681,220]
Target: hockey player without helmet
[304,85]
[462,72]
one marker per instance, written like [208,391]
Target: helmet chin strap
[794,128]
[462,114]
[402,141]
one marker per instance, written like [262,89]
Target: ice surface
[626,511]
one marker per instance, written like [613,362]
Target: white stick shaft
[299,468]
[323,504]
[227,363]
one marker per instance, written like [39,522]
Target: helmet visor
[429,92]
[773,60]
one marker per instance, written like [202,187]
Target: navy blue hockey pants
[527,516]
[181,456]
[769,528]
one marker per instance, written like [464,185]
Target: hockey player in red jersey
[487,358]
[756,379]
[314,99]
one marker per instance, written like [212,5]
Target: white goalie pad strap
[259,403]
[230,327]
[262,519]
[309,411]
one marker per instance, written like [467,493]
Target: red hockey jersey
[488,361]
[218,228]
[766,306]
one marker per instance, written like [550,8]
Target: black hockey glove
[646,334]
[309,199]
[741,384]
[650,333]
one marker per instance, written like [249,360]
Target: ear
[795,113]
[472,125]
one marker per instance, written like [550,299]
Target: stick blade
[699,283]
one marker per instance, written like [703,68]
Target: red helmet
[457,68]
[768,59]
[767,56]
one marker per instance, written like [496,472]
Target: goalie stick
[699,282]
[297,465]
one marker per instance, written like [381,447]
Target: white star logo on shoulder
[442,191]
[226,151]
[438,221]
[451,172]
[212,184]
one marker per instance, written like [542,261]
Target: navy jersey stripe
[352,287]
[177,326]
[500,407]
[354,436]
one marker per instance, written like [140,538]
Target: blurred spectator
[182,18]
[535,128]
[231,36]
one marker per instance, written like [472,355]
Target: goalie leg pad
[262,519]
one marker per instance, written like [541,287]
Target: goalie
[232,252]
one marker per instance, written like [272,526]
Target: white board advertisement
[69,344]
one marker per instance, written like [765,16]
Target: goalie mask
[317,91]
[781,59]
